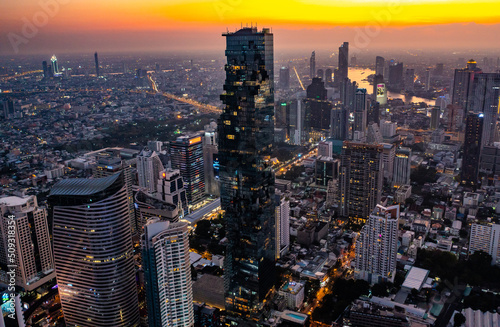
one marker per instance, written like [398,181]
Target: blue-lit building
[245,137]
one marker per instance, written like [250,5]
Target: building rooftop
[83,186]
[12,201]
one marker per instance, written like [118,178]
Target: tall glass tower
[245,136]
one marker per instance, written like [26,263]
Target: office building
[320,74]
[312,65]
[326,169]
[245,137]
[435,117]
[402,167]
[388,129]
[94,256]
[388,155]
[409,81]
[33,253]
[9,110]
[210,160]
[484,98]
[187,156]
[317,110]
[167,274]
[360,111]
[329,77]
[54,65]
[373,114]
[149,166]
[377,246]
[148,207]
[96,60]
[284,81]
[462,85]
[427,79]
[490,160]
[282,214]
[396,75]
[360,179]
[45,69]
[343,61]
[171,189]
[339,126]
[472,149]
[379,65]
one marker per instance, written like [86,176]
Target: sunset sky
[107,25]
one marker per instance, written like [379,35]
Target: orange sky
[104,22]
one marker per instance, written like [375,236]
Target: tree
[203,229]
[458,320]
[463,233]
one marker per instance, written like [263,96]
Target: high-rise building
[284,78]
[381,96]
[388,129]
[462,85]
[187,156]
[149,166]
[427,78]
[339,126]
[317,108]
[439,70]
[486,238]
[210,154]
[155,146]
[9,110]
[360,179]
[435,117]
[402,167]
[454,118]
[54,65]
[360,111]
[282,214]
[373,115]
[409,81]
[379,65]
[343,61]
[245,137]
[320,74]
[167,274]
[377,246]
[312,65]
[484,98]
[93,252]
[147,207]
[45,69]
[171,190]
[33,253]
[110,165]
[396,75]
[373,134]
[472,148]
[96,59]
[388,155]
[328,76]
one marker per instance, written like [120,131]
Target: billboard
[381,94]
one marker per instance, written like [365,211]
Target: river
[360,74]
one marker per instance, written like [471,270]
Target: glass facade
[245,136]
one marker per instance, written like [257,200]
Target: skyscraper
[210,152]
[45,69]
[486,238]
[282,224]
[33,253]
[96,65]
[472,148]
[402,167]
[328,77]
[360,111]
[9,110]
[93,252]
[462,85]
[187,156]
[379,65]
[149,166]
[320,73]
[339,126]
[373,115]
[312,65]
[343,61]
[317,108]
[377,246]
[484,98]
[245,135]
[284,78]
[167,274]
[171,190]
[54,65]
[360,179]
[396,75]
[409,81]
[435,116]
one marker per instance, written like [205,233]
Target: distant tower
[167,274]
[210,159]
[396,75]
[435,116]
[282,214]
[462,85]
[409,81]
[328,76]
[472,149]
[149,166]
[93,252]
[97,74]
[343,61]
[45,69]
[360,111]
[377,246]
[339,126]
[317,108]
[320,74]
[284,81]
[379,66]
[312,65]
[54,65]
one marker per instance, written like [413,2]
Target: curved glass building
[93,252]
